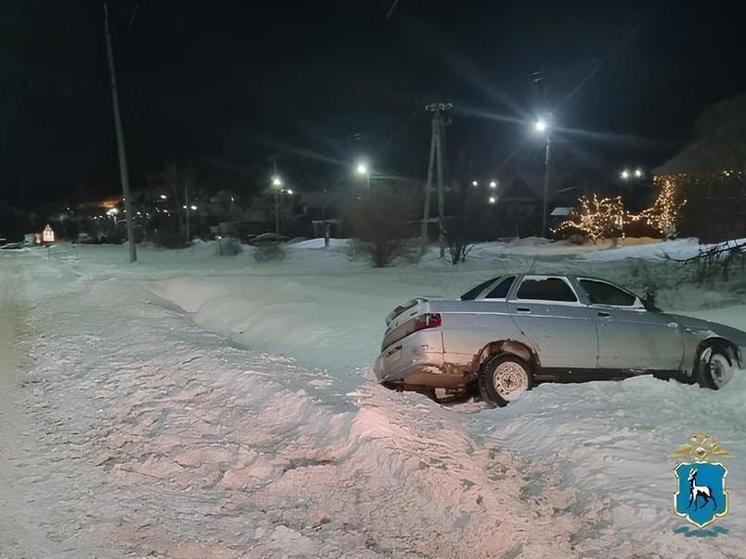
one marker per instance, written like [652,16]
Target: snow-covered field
[201,406]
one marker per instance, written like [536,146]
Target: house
[710,174]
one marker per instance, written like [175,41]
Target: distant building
[710,174]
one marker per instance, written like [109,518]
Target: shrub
[269,252]
[459,241]
[229,246]
[382,225]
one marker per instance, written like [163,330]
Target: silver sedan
[511,332]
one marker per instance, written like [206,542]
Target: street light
[289,191]
[475,183]
[542,127]
[362,169]
[638,173]
[277,186]
[493,184]
[193,208]
[163,196]
[624,174]
[492,199]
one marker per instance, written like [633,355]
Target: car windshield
[474,292]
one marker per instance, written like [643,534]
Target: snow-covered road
[165,440]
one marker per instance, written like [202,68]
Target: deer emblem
[696,491]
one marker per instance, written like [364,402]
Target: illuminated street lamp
[475,183]
[626,174]
[193,208]
[163,196]
[492,199]
[541,126]
[493,184]
[362,169]
[277,187]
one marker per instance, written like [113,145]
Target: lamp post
[542,127]
[362,169]
[277,186]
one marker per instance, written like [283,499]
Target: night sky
[228,83]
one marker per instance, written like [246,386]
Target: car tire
[504,378]
[715,366]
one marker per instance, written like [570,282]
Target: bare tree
[382,224]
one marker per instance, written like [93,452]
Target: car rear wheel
[715,367]
[503,379]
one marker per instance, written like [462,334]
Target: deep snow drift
[269,436]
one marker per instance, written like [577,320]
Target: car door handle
[604,314]
[523,309]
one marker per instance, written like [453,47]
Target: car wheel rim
[510,380]
[721,370]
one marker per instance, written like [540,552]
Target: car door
[631,338]
[548,312]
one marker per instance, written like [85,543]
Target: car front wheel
[503,379]
[715,367]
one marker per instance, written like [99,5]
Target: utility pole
[546,184]
[276,185]
[123,173]
[428,188]
[186,211]
[435,163]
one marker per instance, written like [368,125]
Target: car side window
[475,291]
[601,293]
[501,289]
[546,289]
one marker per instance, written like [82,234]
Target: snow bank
[597,470]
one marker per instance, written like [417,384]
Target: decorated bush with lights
[605,218]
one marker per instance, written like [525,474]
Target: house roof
[719,144]
[697,158]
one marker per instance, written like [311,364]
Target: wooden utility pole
[186,212]
[436,162]
[276,188]
[123,173]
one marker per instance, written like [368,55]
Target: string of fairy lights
[607,217]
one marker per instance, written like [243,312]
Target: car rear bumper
[417,360]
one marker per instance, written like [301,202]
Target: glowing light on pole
[541,126]
[277,186]
[362,169]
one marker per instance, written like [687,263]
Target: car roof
[553,275]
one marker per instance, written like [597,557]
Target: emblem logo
[701,497]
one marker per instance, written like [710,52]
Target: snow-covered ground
[201,406]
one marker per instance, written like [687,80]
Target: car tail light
[430,320]
[421,322]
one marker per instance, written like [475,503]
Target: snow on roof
[560,211]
